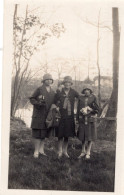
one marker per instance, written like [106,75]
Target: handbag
[56,118]
[53,118]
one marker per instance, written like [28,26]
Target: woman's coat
[67,125]
[87,124]
[40,111]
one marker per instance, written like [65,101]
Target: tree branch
[94,24]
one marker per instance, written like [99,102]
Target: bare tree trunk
[98,25]
[79,74]
[110,126]
[75,76]
[74,68]
[112,110]
[98,67]
[17,80]
[46,68]
[88,67]
[59,71]
[14,65]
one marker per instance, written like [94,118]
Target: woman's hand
[89,109]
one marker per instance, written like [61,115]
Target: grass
[51,173]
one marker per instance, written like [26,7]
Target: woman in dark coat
[65,99]
[87,110]
[42,100]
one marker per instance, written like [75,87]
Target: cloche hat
[83,91]
[67,79]
[47,77]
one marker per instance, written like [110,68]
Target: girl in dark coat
[42,100]
[65,100]
[87,110]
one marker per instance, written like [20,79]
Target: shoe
[42,153]
[66,154]
[59,155]
[81,155]
[36,155]
[87,156]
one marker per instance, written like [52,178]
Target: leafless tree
[29,33]
[98,25]
[112,109]
[60,66]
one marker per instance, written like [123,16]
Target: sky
[79,41]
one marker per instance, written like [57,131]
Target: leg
[65,147]
[88,149]
[36,146]
[83,147]
[41,148]
[60,143]
[83,151]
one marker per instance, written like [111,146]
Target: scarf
[67,105]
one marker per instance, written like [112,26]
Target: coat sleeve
[33,99]
[95,106]
[78,110]
[57,98]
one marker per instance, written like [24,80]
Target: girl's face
[48,82]
[67,85]
[87,92]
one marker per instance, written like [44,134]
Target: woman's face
[67,85]
[48,82]
[87,92]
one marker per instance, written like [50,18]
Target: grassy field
[51,173]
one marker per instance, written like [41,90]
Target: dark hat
[83,91]
[67,79]
[47,77]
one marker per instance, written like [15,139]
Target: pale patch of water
[25,114]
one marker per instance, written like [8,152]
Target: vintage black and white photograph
[64,95]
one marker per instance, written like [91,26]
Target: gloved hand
[41,102]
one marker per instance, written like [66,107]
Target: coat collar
[69,93]
[44,88]
[63,91]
